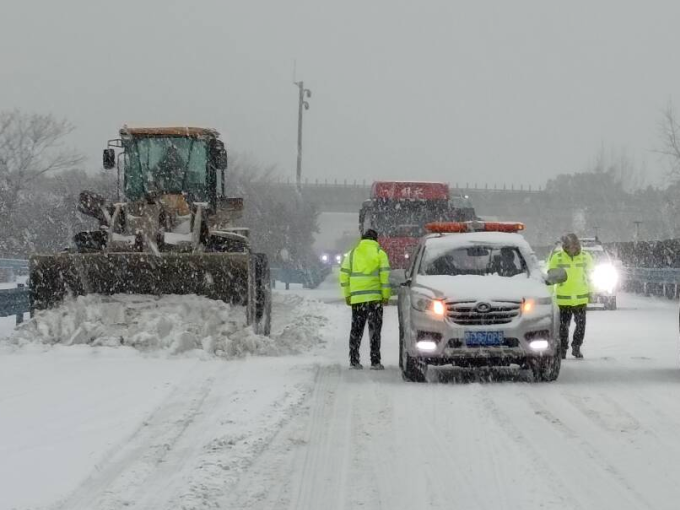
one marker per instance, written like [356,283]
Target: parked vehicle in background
[330,258]
[399,211]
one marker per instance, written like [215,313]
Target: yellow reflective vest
[365,273]
[576,290]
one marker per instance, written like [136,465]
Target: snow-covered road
[107,428]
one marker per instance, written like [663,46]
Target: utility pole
[637,230]
[302,104]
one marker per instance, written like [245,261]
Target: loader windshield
[166,164]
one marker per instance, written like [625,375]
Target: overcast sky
[496,91]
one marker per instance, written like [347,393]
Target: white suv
[475,296]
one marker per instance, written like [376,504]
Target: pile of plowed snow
[175,324]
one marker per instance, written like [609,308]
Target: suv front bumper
[450,346]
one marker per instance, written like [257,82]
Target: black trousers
[579,314]
[373,314]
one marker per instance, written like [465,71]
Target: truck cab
[399,211]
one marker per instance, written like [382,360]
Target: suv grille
[471,313]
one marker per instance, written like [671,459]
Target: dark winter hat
[370,234]
[570,238]
[571,243]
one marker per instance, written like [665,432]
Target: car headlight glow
[528,305]
[338,258]
[324,257]
[605,277]
[439,308]
[426,345]
[539,345]
[425,304]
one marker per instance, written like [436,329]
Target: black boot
[576,351]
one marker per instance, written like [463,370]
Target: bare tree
[31,145]
[277,220]
[669,129]
[619,164]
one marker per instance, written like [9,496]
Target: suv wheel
[401,344]
[546,369]
[411,370]
[611,303]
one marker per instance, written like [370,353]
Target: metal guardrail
[11,268]
[670,276]
[15,302]
[309,278]
[652,281]
[17,265]
[364,185]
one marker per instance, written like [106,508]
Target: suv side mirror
[398,277]
[109,159]
[555,276]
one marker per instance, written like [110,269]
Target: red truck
[399,211]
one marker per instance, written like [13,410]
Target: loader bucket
[225,276]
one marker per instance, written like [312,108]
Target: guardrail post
[286,278]
[20,316]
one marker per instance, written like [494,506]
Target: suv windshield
[167,165]
[504,261]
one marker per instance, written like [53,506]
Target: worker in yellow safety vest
[364,280]
[573,295]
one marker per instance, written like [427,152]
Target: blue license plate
[483,338]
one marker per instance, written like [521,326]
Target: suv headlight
[529,305]
[425,304]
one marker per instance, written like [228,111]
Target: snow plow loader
[170,231]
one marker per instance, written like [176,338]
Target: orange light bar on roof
[446,227]
[501,226]
[453,227]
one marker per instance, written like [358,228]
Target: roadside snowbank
[174,325]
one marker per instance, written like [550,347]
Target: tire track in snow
[452,475]
[362,476]
[206,467]
[318,472]
[539,462]
[278,465]
[641,448]
[381,435]
[386,450]
[664,427]
[129,464]
[419,454]
[607,414]
[625,489]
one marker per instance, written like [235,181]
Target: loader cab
[163,161]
